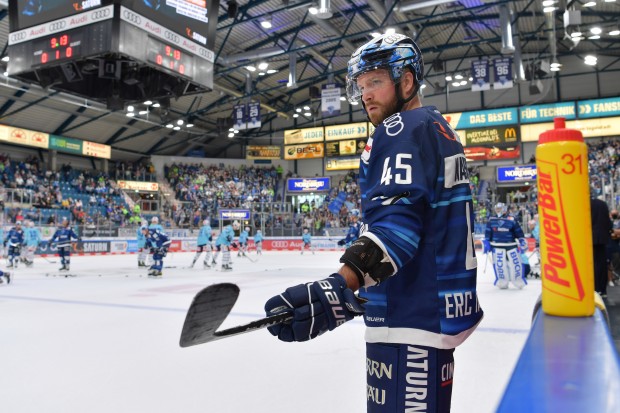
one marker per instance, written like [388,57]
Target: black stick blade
[207,312]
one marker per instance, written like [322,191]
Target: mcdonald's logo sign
[510,134]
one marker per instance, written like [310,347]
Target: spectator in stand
[601,235]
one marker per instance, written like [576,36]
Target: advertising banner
[232,214]
[490,136]
[342,164]
[308,184]
[346,131]
[482,118]
[70,145]
[139,186]
[590,128]
[263,152]
[345,148]
[597,108]
[546,113]
[99,232]
[96,150]
[306,135]
[480,153]
[523,173]
[309,151]
[24,137]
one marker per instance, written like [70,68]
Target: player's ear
[408,82]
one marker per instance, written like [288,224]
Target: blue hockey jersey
[417,206]
[157,239]
[226,237]
[503,231]
[33,237]
[15,237]
[205,235]
[243,237]
[63,236]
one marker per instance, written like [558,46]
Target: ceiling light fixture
[266,22]
[263,66]
[590,4]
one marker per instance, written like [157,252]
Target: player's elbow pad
[368,261]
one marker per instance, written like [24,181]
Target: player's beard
[384,112]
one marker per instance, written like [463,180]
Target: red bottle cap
[560,133]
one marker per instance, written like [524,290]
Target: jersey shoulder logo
[366,153]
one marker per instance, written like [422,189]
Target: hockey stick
[208,311]
[50,261]
[248,257]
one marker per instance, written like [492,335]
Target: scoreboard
[123,51]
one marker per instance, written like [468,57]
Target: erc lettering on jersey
[455,170]
[461,304]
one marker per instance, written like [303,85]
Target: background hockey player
[258,242]
[159,244]
[415,262]
[205,237]
[306,241]
[352,233]
[141,245]
[153,225]
[33,239]
[223,243]
[6,275]
[15,240]
[504,239]
[243,241]
[62,239]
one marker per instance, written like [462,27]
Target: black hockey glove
[234,245]
[342,242]
[370,263]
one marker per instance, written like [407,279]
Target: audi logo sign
[131,17]
[172,37]
[18,37]
[56,26]
[279,244]
[101,14]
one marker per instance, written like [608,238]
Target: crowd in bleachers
[45,196]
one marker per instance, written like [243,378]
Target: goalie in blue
[504,239]
[414,263]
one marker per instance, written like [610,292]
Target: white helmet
[205,222]
[18,223]
[500,208]
[247,229]
[236,225]
[155,220]
[31,224]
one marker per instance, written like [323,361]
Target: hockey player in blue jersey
[141,245]
[159,244]
[62,239]
[33,239]
[504,239]
[352,233]
[223,243]
[258,242]
[205,237]
[243,241]
[306,241]
[157,226]
[414,262]
[14,241]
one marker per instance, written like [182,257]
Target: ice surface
[108,341]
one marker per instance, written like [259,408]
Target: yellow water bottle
[567,268]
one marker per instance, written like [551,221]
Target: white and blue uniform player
[258,242]
[306,241]
[243,241]
[504,238]
[159,244]
[33,239]
[141,245]
[2,246]
[156,226]
[352,233]
[223,243]
[62,240]
[414,261]
[15,240]
[205,237]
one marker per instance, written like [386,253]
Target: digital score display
[58,47]
[170,58]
